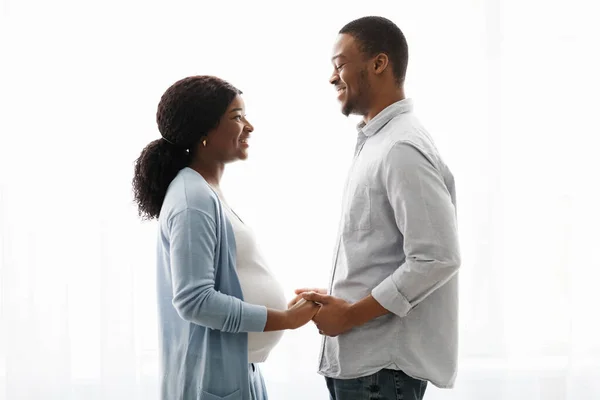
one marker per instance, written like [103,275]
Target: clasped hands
[332,317]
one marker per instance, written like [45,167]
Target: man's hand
[334,317]
[303,290]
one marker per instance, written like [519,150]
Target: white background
[508,89]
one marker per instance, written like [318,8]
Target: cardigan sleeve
[192,235]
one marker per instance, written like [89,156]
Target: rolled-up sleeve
[426,218]
[192,236]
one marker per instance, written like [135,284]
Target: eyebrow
[339,55]
[236,109]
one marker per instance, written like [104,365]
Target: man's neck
[383,101]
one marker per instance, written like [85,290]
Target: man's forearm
[365,310]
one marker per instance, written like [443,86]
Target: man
[390,320]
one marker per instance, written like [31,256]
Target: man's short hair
[376,35]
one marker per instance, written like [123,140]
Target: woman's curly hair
[187,111]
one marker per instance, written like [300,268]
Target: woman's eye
[238,117]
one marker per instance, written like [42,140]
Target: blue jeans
[386,384]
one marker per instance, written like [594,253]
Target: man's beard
[353,106]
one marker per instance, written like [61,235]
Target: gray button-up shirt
[397,241]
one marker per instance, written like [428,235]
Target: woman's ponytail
[156,167]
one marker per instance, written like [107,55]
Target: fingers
[316,309]
[318,290]
[306,310]
[293,302]
[315,314]
[302,303]
[316,297]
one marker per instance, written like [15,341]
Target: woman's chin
[242,154]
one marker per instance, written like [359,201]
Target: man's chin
[347,109]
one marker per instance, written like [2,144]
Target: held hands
[300,312]
[333,317]
[304,290]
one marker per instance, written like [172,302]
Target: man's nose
[334,78]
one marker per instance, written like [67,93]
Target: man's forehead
[344,45]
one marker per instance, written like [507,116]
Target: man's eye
[339,67]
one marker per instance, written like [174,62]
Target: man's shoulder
[405,132]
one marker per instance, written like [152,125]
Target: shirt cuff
[390,298]
[254,318]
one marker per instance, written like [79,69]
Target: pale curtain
[508,89]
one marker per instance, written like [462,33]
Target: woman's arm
[193,240]
[292,318]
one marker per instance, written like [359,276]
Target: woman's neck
[210,171]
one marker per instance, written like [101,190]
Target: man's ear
[380,63]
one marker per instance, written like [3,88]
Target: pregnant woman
[221,310]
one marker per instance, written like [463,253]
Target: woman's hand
[300,313]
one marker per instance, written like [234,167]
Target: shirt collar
[385,116]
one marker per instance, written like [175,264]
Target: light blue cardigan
[203,320]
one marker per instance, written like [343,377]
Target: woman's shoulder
[189,191]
